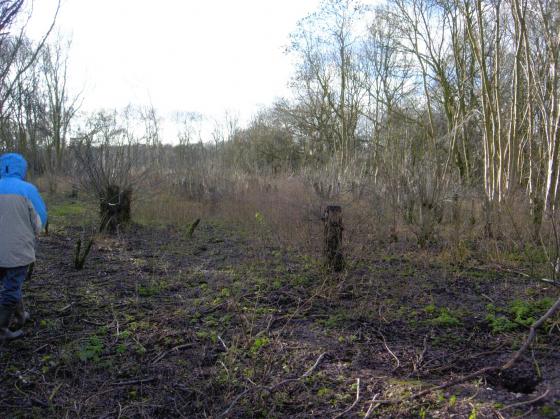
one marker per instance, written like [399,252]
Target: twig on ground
[39,402]
[372,406]
[223,343]
[40,348]
[485,370]
[390,352]
[550,281]
[488,298]
[165,353]
[498,414]
[524,415]
[528,402]
[306,374]
[452,383]
[63,309]
[353,404]
[420,358]
[55,390]
[274,387]
[462,359]
[94,323]
[116,320]
[315,365]
[134,382]
[234,402]
[532,333]
[225,368]
[32,398]
[302,305]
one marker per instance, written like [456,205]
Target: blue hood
[13,165]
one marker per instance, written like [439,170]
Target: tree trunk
[114,208]
[333,238]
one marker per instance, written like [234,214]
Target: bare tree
[62,105]
[9,9]
[111,161]
[9,74]
[327,78]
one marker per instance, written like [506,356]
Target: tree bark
[333,238]
[115,208]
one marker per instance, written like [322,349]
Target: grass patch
[67,209]
[518,314]
[64,212]
[442,316]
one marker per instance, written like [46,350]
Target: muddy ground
[226,323]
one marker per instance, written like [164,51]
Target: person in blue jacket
[23,215]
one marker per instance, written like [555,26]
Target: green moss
[522,311]
[518,314]
[334,320]
[259,343]
[444,318]
[91,350]
[430,308]
[500,324]
[301,280]
[324,392]
[547,411]
[150,290]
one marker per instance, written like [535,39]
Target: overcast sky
[207,56]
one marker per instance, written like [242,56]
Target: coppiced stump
[334,258]
[114,208]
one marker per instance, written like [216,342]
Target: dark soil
[161,325]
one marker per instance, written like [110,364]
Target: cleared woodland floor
[162,325]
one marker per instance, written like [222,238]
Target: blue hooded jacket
[22,213]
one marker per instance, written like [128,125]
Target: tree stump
[333,238]
[79,257]
[114,208]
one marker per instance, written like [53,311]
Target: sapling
[192,228]
[79,257]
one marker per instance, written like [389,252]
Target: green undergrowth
[226,316]
[517,315]
[442,316]
[65,212]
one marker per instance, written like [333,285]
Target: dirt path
[160,325]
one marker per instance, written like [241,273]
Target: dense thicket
[425,99]
[419,100]
[432,95]
[422,101]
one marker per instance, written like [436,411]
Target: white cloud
[207,56]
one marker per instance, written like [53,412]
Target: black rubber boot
[5,317]
[20,316]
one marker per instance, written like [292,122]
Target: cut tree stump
[114,208]
[334,258]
